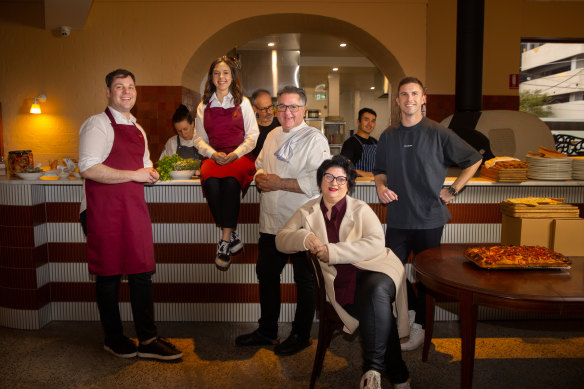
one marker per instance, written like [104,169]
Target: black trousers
[268,269]
[224,198]
[141,300]
[374,294]
[107,288]
[402,242]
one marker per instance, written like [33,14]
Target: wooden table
[444,271]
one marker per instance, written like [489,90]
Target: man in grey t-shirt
[410,167]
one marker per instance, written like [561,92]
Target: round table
[445,272]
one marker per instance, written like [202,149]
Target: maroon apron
[226,131]
[119,230]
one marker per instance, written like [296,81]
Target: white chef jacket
[276,207]
[96,139]
[170,146]
[201,140]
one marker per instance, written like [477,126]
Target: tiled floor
[510,354]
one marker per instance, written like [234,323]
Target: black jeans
[402,242]
[223,196]
[107,288]
[374,294]
[269,267]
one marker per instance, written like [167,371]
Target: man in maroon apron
[115,162]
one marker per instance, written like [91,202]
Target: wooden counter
[43,271]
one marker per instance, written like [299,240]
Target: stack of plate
[539,168]
[578,168]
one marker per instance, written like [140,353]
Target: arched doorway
[242,31]
[246,29]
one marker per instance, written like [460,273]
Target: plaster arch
[247,29]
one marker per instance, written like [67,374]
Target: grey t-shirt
[415,160]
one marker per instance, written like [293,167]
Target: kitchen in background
[338,80]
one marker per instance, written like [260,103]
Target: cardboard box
[568,237]
[526,231]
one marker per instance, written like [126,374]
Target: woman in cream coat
[365,281]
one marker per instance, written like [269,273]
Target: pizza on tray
[516,257]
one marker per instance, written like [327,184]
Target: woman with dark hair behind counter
[182,144]
[226,132]
[364,280]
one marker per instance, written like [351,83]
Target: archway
[247,29]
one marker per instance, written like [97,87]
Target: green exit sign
[320,96]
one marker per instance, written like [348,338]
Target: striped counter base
[44,276]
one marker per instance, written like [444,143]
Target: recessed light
[372,88]
[335,69]
[343,44]
[271,44]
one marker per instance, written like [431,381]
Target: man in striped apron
[361,147]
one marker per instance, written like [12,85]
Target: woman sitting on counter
[364,280]
[226,132]
[182,144]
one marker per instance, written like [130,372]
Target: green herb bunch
[187,164]
[174,162]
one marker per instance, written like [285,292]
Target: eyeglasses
[341,180]
[291,108]
[265,109]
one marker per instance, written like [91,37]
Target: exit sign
[320,96]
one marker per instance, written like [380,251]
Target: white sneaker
[371,380]
[416,338]
[403,385]
[411,317]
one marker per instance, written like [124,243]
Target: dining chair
[329,320]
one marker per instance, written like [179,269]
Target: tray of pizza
[516,257]
[505,171]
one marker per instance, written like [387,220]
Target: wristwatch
[452,191]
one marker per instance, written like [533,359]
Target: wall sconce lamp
[35,107]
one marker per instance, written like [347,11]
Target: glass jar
[19,160]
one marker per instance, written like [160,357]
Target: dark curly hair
[338,161]
[235,88]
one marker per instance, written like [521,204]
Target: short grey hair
[290,89]
[257,94]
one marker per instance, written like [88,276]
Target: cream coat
[362,243]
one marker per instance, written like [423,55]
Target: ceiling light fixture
[343,44]
[271,44]
[35,108]
[335,69]
[372,88]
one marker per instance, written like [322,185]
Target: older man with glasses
[286,176]
[261,102]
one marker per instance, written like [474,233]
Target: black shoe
[295,343]
[255,339]
[123,347]
[235,244]
[160,348]
[223,260]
